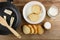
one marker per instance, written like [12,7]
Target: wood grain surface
[53,34]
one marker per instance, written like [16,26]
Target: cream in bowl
[34,12]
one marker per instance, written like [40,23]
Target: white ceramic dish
[27,11]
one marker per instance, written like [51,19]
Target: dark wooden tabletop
[54,33]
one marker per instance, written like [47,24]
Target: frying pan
[15,14]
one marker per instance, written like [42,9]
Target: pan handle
[9,0]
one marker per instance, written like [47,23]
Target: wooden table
[54,33]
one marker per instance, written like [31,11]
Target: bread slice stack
[33,29]
[35,15]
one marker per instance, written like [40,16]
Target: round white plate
[27,11]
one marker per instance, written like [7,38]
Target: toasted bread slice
[36,9]
[40,29]
[33,17]
[35,29]
[26,29]
[32,30]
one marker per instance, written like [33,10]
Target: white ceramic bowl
[27,11]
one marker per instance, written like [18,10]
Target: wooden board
[54,33]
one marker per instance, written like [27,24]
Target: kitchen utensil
[4,23]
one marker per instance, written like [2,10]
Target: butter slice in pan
[11,21]
[9,12]
[4,17]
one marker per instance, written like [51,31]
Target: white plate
[27,11]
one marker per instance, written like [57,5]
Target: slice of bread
[33,17]
[32,29]
[36,9]
[35,29]
[40,29]
[26,29]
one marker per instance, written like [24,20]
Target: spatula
[4,23]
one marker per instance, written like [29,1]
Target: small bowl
[27,8]
[52,9]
